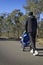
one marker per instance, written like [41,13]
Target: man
[31,28]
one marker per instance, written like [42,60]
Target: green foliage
[34,5]
[41,30]
[13,24]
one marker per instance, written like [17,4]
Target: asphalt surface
[11,54]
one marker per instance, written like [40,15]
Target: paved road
[11,54]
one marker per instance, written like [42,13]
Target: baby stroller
[25,40]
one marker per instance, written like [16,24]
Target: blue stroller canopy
[25,37]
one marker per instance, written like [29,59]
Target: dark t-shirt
[31,24]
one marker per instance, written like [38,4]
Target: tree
[13,23]
[35,6]
[17,21]
[16,16]
[1,24]
[41,30]
[9,24]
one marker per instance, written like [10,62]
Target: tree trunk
[18,35]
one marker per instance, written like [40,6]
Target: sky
[10,5]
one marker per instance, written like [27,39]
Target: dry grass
[40,41]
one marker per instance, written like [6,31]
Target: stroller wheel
[23,48]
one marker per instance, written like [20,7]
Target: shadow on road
[9,39]
[40,50]
[40,55]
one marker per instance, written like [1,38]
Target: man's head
[30,13]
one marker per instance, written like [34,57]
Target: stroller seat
[25,40]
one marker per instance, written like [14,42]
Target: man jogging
[31,28]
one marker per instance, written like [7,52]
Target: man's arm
[36,23]
[37,27]
[26,25]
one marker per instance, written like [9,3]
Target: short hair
[30,13]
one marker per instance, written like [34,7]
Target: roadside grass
[40,41]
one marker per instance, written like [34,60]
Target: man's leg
[35,52]
[32,41]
